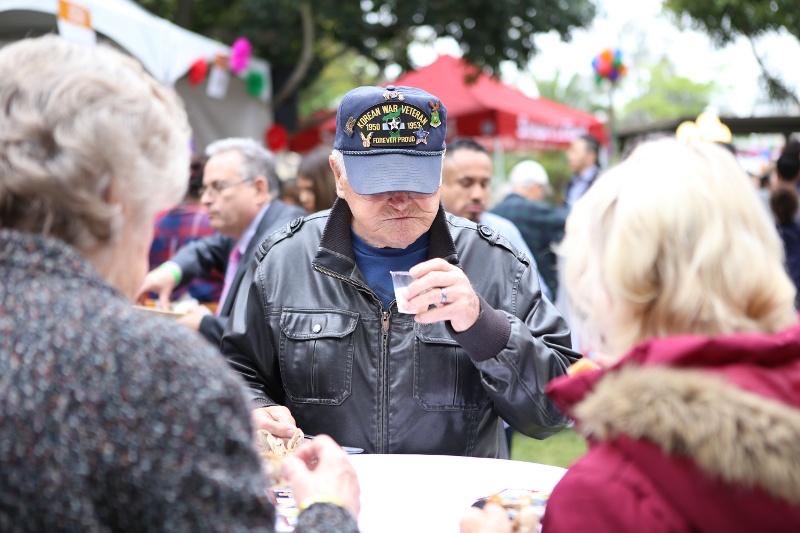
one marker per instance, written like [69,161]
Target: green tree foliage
[341,73]
[724,20]
[489,31]
[665,95]
[579,92]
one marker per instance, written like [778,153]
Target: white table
[431,493]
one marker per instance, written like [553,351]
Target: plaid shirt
[542,226]
[176,228]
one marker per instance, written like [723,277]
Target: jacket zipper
[382,448]
[384,367]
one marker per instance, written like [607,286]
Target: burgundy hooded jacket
[686,434]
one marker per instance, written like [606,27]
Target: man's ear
[262,189]
[338,177]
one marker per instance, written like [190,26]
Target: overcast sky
[632,26]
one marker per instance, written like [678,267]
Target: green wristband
[173,269]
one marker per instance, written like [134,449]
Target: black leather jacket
[307,332]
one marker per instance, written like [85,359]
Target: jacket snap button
[317,328]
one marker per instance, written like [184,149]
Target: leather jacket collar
[335,251]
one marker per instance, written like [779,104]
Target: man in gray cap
[316,331]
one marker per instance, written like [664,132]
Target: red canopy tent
[490,111]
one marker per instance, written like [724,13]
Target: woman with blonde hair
[677,272]
[114,420]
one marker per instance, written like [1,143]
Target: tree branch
[306,55]
[776,87]
[183,15]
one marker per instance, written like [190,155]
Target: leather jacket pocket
[316,354]
[445,379]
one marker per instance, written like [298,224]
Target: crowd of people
[677,274]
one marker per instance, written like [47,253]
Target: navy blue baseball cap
[392,139]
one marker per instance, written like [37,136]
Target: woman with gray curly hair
[113,420]
[677,271]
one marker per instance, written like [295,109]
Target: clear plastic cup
[401,280]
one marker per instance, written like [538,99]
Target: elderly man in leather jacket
[316,331]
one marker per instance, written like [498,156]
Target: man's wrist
[173,269]
[487,337]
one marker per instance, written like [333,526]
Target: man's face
[466,183]
[233,208]
[392,223]
[579,157]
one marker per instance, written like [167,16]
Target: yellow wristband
[311,500]
[173,269]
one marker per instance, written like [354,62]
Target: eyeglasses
[219,186]
[383,196]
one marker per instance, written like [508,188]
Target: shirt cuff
[487,337]
[262,402]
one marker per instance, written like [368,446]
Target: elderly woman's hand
[320,471]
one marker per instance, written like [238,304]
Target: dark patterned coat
[113,420]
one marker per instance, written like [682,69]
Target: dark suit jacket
[200,257]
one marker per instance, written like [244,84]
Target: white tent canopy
[167,51]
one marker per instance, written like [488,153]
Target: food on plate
[177,309]
[525,507]
[273,450]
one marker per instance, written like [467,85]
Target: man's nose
[400,200]
[206,198]
[477,192]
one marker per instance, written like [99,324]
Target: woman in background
[290,192]
[676,271]
[315,180]
[114,420]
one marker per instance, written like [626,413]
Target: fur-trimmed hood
[730,434]
[730,405]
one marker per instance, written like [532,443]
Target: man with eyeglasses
[240,189]
[316,331]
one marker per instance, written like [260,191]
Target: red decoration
[276,138]
[198,71]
